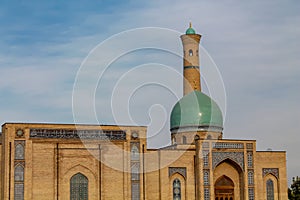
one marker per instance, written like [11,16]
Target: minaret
[191,71]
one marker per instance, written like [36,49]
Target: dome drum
[196,128]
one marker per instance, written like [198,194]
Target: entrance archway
[224,188]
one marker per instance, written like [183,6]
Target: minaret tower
[191,71]
[195,114]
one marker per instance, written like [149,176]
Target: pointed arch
[19,173]
[177,187]
[80,168]
[232,170]
[271,189]
[93,185]
[250,178]
[135,154]
[206,177]
[232,161]
[19,152]
[19,181]
[224,187]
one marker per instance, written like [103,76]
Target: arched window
[183,139]
[19,182]
[190,52]
[19,191]
[205,159]
[206,194]
[250,178]
[19,173]
[251,193]
[206,178]
[224,187]
[135,171]
[250,159]
[79,187]
[270,190]
[19,152]
[135,153]
[176,189]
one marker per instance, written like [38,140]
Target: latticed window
[176,189]
[135,153]
[79,187]
[206,178]
[250,178]
[135,171]
[19,152]
[250,159]
[19,182]
[19,191]
[206,194]
[205,158]
[270,190]
[135,191]
[19,173]
[251,193]
[190,52]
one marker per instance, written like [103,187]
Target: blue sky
[255,45]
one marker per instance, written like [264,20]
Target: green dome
[190,31]
[197,111]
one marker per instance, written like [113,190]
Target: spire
[190,24]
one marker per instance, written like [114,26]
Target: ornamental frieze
[78,134]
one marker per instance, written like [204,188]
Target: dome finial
[190,30]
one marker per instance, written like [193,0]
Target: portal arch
[228,181]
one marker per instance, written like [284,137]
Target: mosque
[42,161]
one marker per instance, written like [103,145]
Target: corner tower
[191,71]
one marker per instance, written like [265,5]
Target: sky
[47,46]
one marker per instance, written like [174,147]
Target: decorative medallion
[179,170]
[134,134]
[20,133]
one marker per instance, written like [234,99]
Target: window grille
[79,187]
